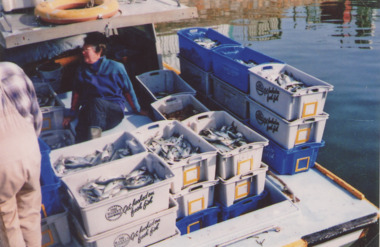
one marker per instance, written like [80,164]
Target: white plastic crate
[55,230]
[286,133]
[113,212]
[146,231]
[174,103]
[229,97]
[119,140]
[241,186]
[239,160]
[306,102]
[195,76]
[52,114]
[160,83]
[197,168]
[57,139]
[195,198]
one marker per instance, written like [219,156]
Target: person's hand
[66,121]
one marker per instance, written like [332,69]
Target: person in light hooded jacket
[20,158]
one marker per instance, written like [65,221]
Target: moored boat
[313,207]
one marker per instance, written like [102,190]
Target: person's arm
[129,92]
[73,110]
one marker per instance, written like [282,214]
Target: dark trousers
[97,113]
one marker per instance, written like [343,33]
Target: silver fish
[225,139]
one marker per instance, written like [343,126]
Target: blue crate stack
[229,78]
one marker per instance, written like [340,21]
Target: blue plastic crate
[196,53]
[47,174]
[51,199]
[291,161]
[50,184]
[230,63]
[246,205]
[199,220]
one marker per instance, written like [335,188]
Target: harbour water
[335,41]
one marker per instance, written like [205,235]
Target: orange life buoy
[70,11]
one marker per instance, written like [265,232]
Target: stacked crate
[54,217]
[52,109]
[293,119]
[194,182]
[141,215]
[195,55]
[240,172]
[237,81]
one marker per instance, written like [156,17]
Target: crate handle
[191,159]
[203,117]
[153,126]
[155,73]
[309,120]
[267,67]
[195,188]
[171,100]
[248,201]
[247,174]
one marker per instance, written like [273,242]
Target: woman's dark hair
[98,40]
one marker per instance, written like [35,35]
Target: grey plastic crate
[229,97]
[186,103]
[52,110]
[161,83]
[195,76]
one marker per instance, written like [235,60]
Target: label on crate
[271,124]
[242,189]
[244,166]
[140,203]
[136,237]
[196,205]
[303,135]
[272,93]
[191,175]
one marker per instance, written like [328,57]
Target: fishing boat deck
[323,205]
[22,27]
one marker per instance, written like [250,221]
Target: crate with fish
[240,148]
[195,76]
[55,230]
[151,229]
[229,97]
[243,206]
[287,91]
[291,161]
[197,43]
[287,134]
[177,107]
[231,64]
[57,139]
[51,106]
[99,151]
[230,191]
[199,220]
[160,83]
[195,198]
[189,156]
[109,196]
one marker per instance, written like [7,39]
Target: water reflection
[260,20]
